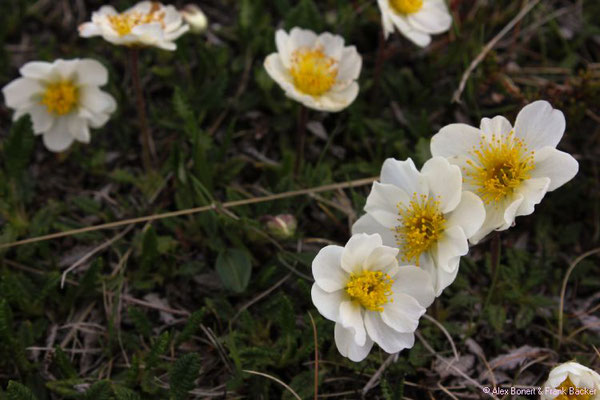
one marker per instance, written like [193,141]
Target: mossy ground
[148,316]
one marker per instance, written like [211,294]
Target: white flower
[195,18]
[571,380]
[63,99]
[511,169]
[317,71]
[426,214]
[146,24]
[369,297]
[415,19]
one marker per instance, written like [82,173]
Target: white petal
[469,214]
[327,303]
[382,259]
[327,270]
[451,246]
[89,29]
[404,175]
[510,212]
[351,317]
[91,72]
[21,92]
[390,340]
[79,129]
[368,224]
[416,283]
[282,42]
[494,218]
[65,69]
[331,45]
[431,18]
[383,202]
[455,140]
[445,278]
[444,181]
[357,251]
[335,100]
[40,70]
[302,38]
[540,125]
[350,65]
[559,166]
[497,126]
[533,191]
[58,138]
[274,66]
[419,38]
[96,101]
[41,118]
[403,313]
[344,341]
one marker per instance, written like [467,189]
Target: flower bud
[195,18]
[281,226]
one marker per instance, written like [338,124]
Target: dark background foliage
[166,310]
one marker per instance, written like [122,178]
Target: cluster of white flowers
[63,98]
[478,181]
[406,249]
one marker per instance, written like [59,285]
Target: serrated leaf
[182,376]
[16,391]
[234,269]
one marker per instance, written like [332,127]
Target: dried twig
[375,378]
[190,211]
[564,290]
[287,387]
[488,47]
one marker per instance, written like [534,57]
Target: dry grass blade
[289,389]
[564,290]
[312,322]
[488,47]
[196,210]
[439,357]
[445,332]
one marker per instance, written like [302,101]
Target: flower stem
[300,137]
[148,154]
[380,58]
[495,247]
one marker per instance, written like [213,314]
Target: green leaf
[182,376]
[63,363]
[122,393]
[18,148]
[100,390]
[160,346]
[234,269]
[16,391]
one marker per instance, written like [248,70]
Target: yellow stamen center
[406,6]
[313,72]
[124,23]
[60,98]
[421,225]
[371,289]
[572,392]
[498,167]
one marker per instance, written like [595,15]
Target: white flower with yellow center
[63,99]
[571,381]
[425,214]
[369,297]
[148,23]
[415,19]
[318,71]
[511,169]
